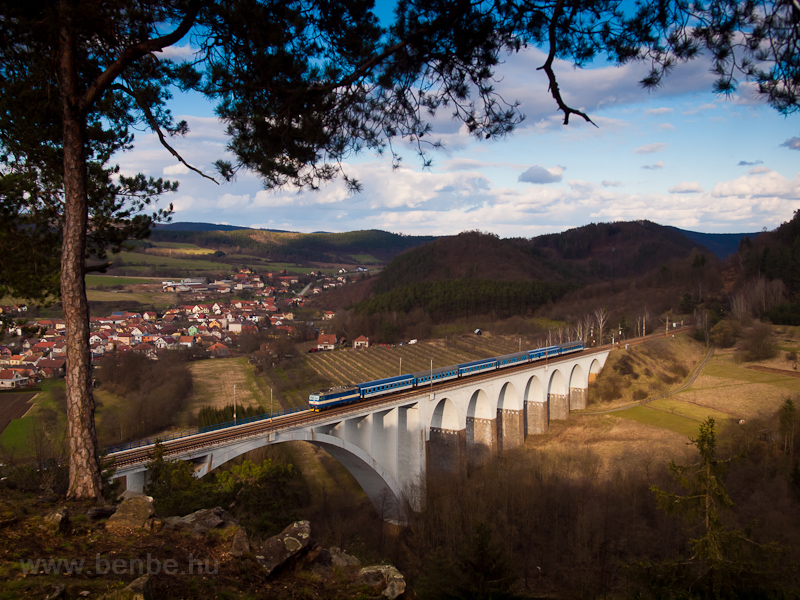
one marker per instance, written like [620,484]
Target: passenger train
[346,394]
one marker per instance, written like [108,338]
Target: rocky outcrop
[58,520]
[202,520]
[384,578]
[240,544]
[133,513]
[339,558]
[95,513]
[285,549]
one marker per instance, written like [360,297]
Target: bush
[758,345]
[724,333]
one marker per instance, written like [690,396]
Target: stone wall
[511,425]
[559,407]
[445,450]
[578,398]
[536,418]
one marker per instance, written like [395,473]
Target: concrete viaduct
[390,445]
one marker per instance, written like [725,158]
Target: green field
[365,259]
[101,281]
[687,409]
[137,261]
[156,299]
[15,438]
[730,370]
[188,248]
[664,420]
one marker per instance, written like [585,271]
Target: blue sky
[677,156]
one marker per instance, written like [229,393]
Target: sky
[677,156]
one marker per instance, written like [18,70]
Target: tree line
[152,394]
[445,300]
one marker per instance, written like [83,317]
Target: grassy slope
[724,390]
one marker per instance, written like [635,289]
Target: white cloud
[607,183]
[177,53]
[650,148]
[537,174]
[792,143]
[759,170]
[658,165]
[176,169]
[686,187]
[761,185]
[658,111]
[227,201]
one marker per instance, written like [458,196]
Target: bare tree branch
[151,120]
[551,76]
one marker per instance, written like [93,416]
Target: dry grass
[618,443]
[213,382]
[741,392]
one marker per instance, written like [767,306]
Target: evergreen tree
[723,562]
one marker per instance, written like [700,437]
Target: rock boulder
[133,513]
[285,549]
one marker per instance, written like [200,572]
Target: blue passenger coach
[346,394]
[384,386]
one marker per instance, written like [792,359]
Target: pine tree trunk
[84,465]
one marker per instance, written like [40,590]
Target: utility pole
[401,366]
[234,404]
[271,413]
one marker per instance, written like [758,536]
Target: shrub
[758,345]
[724,333]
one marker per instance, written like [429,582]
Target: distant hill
[722,245]
[588,254]
[477,273]
[189,226]
[355,247]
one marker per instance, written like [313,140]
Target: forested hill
[468,255]
[355,246]
[600,251]
[592,253]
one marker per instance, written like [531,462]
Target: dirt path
[785,372]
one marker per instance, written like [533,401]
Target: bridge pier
[536,418]
[511,428]
[578,398]
[445,450]
[559,407]
[481,439]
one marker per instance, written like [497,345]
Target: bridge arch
[481,427]
[536,407]
[510,418]
[381,488]
[445,416]
[594,370]
[509,399]
[558,401]
[577,388]
[534,391]
[480,406]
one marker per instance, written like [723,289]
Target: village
[211,326]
